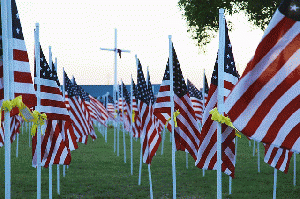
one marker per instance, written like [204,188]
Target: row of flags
[262,103]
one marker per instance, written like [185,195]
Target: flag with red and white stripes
[149,135]
[22,83]
[277,157]
[137,120]
[55,145]
[77,111]
[196,99]
[97,111]
[187,133]
[207,154]
[264,105]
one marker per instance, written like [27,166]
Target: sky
[76,30]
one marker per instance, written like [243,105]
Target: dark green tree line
[202,16]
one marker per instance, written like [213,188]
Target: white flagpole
[258,158]
[275,183]
[249,143]
[253,147]
[57,171]
[203,107]
[131,124]
[7,64]
[124,144]
[27,127]
[141,139]
[149,171]
[17,147]
[150,182]
[220,98]
[163,140]
[38,147]
[106,97]
[294,179]
[230,178]
[118,122]
[187,159]
[172,112]
[50,165]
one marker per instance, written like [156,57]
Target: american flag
[22,83]
[84,100]
[277,157]
[137,120]
[207,154]
[52,102]
[206,89]
[264,105]
[126,107]
[110,107]
[77,111]
[197,100]
[149,134]
[97,111]
[55,145]
[54,150]
[187,133]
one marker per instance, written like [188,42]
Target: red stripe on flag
[20,55]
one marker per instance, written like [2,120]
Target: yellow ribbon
[38,120]
[216,116]
[175,114]
[133,115]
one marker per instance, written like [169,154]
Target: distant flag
[126,101]
[137,121]
[187,133]
[264,105]
[206,89]
[207,154]
[149,134]
[196,99]
[77,111]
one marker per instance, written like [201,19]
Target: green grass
[97,172]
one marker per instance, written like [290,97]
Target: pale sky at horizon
[77,29]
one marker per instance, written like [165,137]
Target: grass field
[97,172]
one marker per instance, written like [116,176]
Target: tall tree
[202,15]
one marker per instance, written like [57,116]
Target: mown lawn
[97,172]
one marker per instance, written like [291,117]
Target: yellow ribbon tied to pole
[216,116]
[175,114]
[133,115]
[116,111]
[39,120]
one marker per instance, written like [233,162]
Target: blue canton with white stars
[193,91]
[229,65]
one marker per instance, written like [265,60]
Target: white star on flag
[294,7]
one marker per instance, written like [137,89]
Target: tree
[202,16]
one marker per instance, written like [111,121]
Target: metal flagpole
[220,99]
[17,147]
[235,154]
[163,140]
[116,50]
[123,113]
[203,107]
[258,158]
[275,183]
[38,146]
[131,124]
[294,179]
[50,165]
[118,123]
[27,127]
[253,147]
[149,171]
[141,137]
[172,112]
[7,64]
[57,171]
[187,159]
